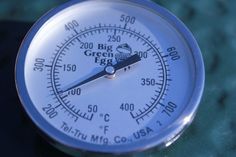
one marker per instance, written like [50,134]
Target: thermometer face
[110,76]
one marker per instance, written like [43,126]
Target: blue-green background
[213,23]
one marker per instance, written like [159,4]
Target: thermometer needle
[108,70]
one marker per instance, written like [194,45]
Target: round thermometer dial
[110,76]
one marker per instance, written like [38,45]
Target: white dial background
[108,123]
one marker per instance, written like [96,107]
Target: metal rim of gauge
[162,140]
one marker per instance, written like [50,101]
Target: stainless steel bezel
[163,139]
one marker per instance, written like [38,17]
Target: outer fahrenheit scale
[110,76]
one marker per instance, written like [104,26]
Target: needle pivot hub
[111,71]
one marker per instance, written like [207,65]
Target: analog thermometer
[110,76]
